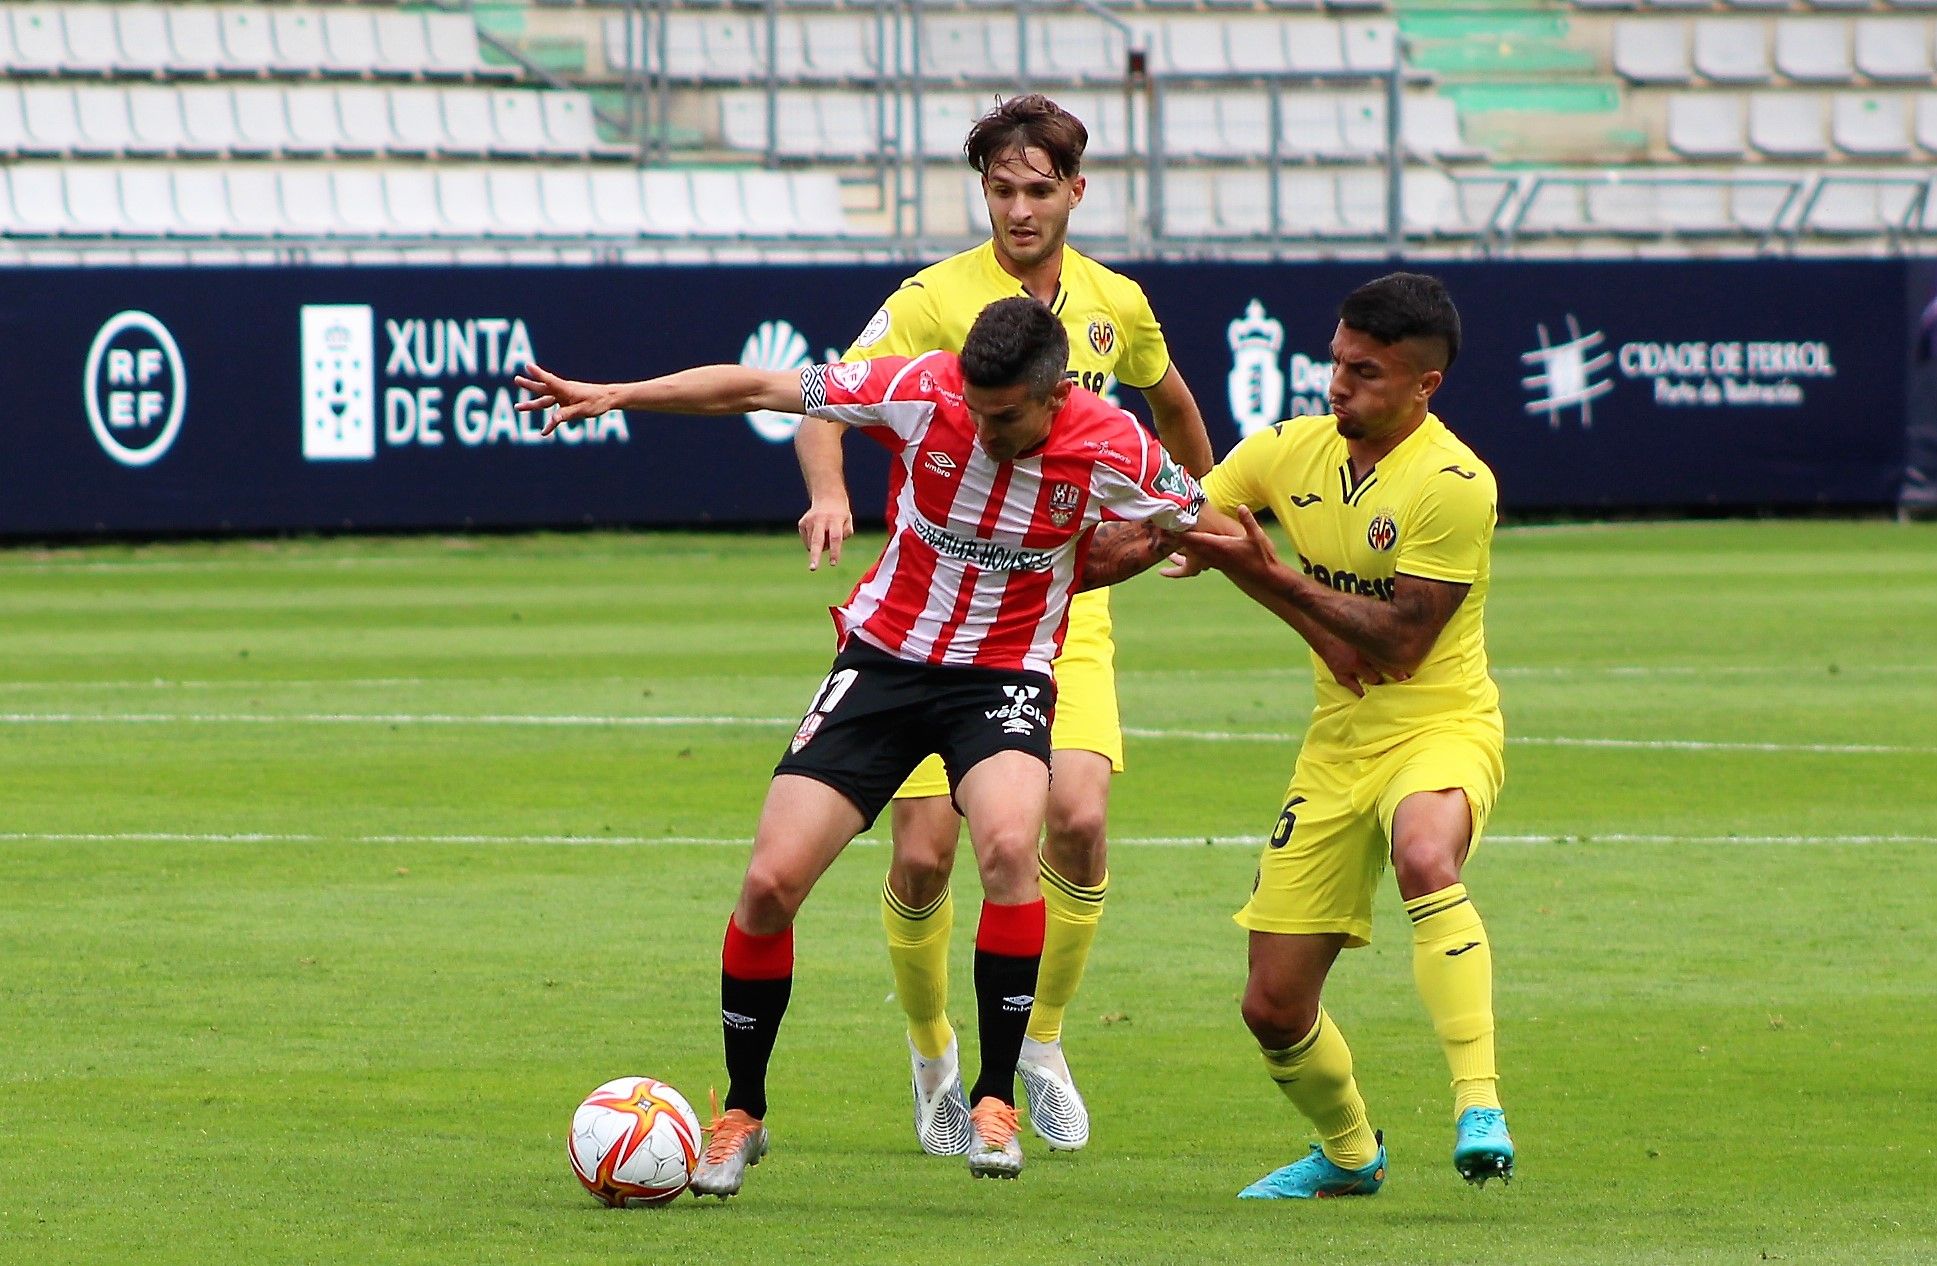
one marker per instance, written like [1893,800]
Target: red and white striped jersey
[983,556]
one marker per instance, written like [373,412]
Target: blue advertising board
[249,399]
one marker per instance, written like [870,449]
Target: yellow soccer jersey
[1112,330]
[1427,509]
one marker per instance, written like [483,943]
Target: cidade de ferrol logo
[136,388]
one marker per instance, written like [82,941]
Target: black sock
[750,1012]
[1005,989]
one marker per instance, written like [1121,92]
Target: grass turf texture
[328,1046]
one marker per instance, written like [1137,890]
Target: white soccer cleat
[1057,1112]
[941,1110]
[994,1151]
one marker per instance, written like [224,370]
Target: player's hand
[1181,567]
[1249,555]
[573,400]
[824,527]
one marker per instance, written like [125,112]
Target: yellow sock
[1316,1075]
[1070,914]
[918,952]
[1453,966]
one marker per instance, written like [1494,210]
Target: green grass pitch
[337,872]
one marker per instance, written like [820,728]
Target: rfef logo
[136,388]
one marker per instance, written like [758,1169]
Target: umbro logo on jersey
[1019,1002]
[1455,953]
[734,1020]
[1454,470]
[1020,715]
[941,463]
[1308,499]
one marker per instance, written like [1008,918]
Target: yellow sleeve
[1146,357]
[1449,529]
[903,326]
[1242,477]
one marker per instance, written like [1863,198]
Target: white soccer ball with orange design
[634,1142]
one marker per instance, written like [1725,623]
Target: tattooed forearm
[1119,551]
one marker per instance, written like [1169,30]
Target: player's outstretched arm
[710,389]
[1395,635]
[1121,550]
[829,519]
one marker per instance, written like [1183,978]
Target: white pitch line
[594,720]
[739,841]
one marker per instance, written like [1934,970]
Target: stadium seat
[1312,46]
[1362,209]
[767,200]
[1243,198]
[1787,124]
[308,201]
[1768,204]
[1651,51]
[1926,112]
[789,50]
[1732,50]
[357,193]
[838,48]
[1107,117]
[364,114]
[1190,125]
[664,201]
[1243,123]
[463,201]
[1440,205]
[194,40]
[39,39]
[565,197]
[468,129]
[1309,126]
[968,47]
[248,40]
[1845,207]
[452,42]
[1308,204]
[261,120]
[744,120]
[718,211]
[1255,45]
[1104,212]
[1622,208]
[1694,208]
[1369,45]
[13,121]
[845,124]
[93,46]
[53,127]
[1362,124]
[410,201]
[1869,125]
[315,128]
[297,34]
[571,129]
[1553,208]
[93,198]
[519,121]
[38,200]
[349,42]
[155,113]
[1705,125]
[517,206]
[1432,130]
[1894,50]
[139,39]
[208,120]
[403,45]
[1067,49]
[1193,46]
[817,205]
[1814,50]
[255,205]
[417,120]
[105,126]
[1189,203]
[201,201]
[733,49]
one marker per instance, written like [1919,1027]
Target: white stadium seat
[767,199]
[1926,111]
[1362,208]
[1312,46]
[52,125]
[1732,50]
[13,122]
[248,40]
[1869,125]
[1814,50]
[1706,125]
[92,47]
[208,120]
[571,128]
[1077,50]
[1190,125]
[743,121]
[261,120]
[102,114]
[619,203]
[717,209]
[1243,197]
[141,40]
[1362,124]
[358,195]
[1623,208]
[1894,50]
[159,127]
[147,196]
[201,201]
[1554,207]
[195,44]
[464,198]
[403,45]
[817,204]
[1787,124]
[1369,45]
[665,201]
[1846,208]
[838,47]
[308,201]
[255,203]
[410,197]
[39,200]
[565,196]
[467,121]
[454,50]
[1309,126]
[519,121]
[364,113]
[297,33]
[93,198]
[1255,46]
[1243,123]
[417,118]
[516,207]
[1690,208]
[1189,204]
[1432,130]
[39,38]
[314,125]
[350,42]
[1651,51]
[1194,46]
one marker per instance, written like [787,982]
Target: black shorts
[876,717]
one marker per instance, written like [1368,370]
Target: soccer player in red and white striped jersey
[1004,471]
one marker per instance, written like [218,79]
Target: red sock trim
[1012,930]
[748,957]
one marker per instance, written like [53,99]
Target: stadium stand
[629,127]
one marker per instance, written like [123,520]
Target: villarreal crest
[1102,337]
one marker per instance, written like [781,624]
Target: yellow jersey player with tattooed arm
[1391,517]
[1029,154]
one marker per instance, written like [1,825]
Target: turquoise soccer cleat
[1317,1178]
[1482,1148]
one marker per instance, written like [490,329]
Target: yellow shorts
[1086,713]
[1332,841]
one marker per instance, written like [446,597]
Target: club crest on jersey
[1382,533]
[1063,500]
[1102,337]
[941,463]
[849,375]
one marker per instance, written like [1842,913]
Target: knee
[918,878]
[1278,1022]
[1076,840]
[769,900]
[1007,857]
[1423,870]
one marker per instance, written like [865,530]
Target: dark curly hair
[1016,340]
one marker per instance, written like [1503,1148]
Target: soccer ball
[634,1141]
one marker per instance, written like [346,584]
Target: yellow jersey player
[1391,517]
[1029,154]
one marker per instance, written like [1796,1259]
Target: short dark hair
[1402,306]
[1016,340]
[1026,122]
